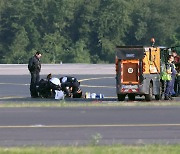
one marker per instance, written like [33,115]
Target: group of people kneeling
[51,87]
[58,88]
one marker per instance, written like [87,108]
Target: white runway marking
[91,126]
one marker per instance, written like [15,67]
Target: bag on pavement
[59,94]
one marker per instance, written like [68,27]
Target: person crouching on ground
[70,86]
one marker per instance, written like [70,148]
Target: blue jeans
[172,86]
[168,91]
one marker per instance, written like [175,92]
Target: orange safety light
[152,41]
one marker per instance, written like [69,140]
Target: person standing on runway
[34,67]
[176,90]
[170,68]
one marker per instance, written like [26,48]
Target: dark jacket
[34,64]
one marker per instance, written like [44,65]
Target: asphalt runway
[89,125]
[83,125]
[17,86]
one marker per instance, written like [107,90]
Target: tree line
[83,31]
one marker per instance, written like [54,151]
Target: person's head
[38,55]
[170,58]
[174,53]
[49,76]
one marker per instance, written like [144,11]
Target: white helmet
[55,81]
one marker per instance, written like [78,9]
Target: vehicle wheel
[148,97]
[121,97]
[131,97]
[159,96]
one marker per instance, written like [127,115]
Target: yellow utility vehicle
[138,71]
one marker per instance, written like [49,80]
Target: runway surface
[18,85]
[82,125]
[86,125]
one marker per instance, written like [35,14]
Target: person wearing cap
[34,67]
[176,90]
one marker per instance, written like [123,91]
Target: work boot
[166,98]
[170,97]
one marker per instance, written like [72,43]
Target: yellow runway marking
[95,78]
[91,86]
[91,126]
[97,86]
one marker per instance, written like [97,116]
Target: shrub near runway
[114,149]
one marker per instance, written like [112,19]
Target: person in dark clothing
[70,85]
[170,67]
[34,67]
[176,90]
[177,81]
[46,87]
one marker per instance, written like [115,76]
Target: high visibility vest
[165,76]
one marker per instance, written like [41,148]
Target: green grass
[64,103]
[28,102]
[114,149]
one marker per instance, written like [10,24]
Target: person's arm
[31,66]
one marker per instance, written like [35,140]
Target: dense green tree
[80,53]
[18,48]
[154,18]
[112,25]
[52,48]
[83,31]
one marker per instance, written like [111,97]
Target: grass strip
[64,103]
[113,149]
